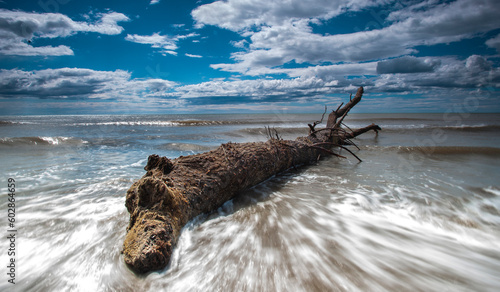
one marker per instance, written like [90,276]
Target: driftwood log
[172,192]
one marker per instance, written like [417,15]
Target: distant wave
[477,128]
[464,128]
[439,150]
[158,123]
[24,141]
[184,123]
[6,123]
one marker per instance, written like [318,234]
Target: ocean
[420,213]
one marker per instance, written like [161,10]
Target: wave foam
[26,141]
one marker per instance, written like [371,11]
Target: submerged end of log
[148,245]
[172,192]
[157,214]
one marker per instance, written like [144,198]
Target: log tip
[148,246]
[360,91]
[375,128]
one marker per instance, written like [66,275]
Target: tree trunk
[172,192]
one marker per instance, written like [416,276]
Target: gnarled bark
[172,192]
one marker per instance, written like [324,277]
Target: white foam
[492,190]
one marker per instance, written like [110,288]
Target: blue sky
[162,56]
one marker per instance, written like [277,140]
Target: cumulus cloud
[324,72]
[379,59]
[476,63]
[238,15]
[494,43]
[166,44]
[275,43]
[310,84]
[436,75]
[17,47]
[407,64]
[460,75]
[18,29]
[77,83]
[260,89]
[107,23]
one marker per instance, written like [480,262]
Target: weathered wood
[357,132]
[332,118]
[172,192]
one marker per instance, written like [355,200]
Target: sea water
[420,213]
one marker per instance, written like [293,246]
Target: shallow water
[420,213]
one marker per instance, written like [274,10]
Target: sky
[239,56]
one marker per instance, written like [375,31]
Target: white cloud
[428,74]
[337,70]
[18,29]
[274,43]
[155,40]
[494,43]
[190,35]
[275,35]
[107,24]
[167,44]
[476,63]
[450,78]
[154,2]
[461,76]
[258,89]
[12,45]
[193,56]
[78,83]
[165,52]
[325,72]
[51,25]
[238,15]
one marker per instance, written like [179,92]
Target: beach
[420,213]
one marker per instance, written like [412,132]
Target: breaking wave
[48,141]
[174,123]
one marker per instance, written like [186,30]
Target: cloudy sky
[165,56]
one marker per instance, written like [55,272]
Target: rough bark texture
[172,192]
